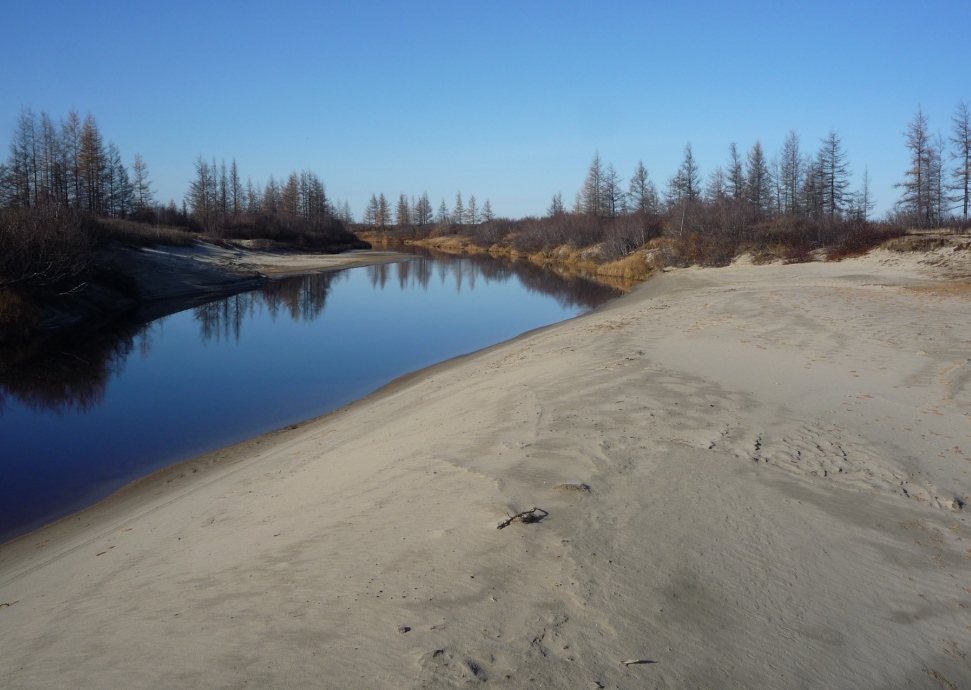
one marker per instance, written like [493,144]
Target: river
[86,419]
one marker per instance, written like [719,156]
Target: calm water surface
[87,419]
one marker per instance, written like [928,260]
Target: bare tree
[371,211]
[71,140]
[790,174]
[201,197]
[591,193]
[235,188]
[685,186]
[757,179]
[961,138]
[487,212]
[915,201]
[836,174]
[423,210]
[642,194]
[863,201]
[143,195]
[735,175]
[613,196]
[383,217]
[556,206]
[458,211]
[472,211]
[271,197]
[402,213]
[715,192]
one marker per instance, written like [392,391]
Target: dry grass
[914,243]
[134,234]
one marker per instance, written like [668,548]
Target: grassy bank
[628,249]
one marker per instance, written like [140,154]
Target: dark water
[87,418]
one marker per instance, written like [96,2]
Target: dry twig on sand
[527,516]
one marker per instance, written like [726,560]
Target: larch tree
[556,206]
[371,211]
[591,193]
[142,185]
[735,175]
[290,196]
[685,185]
[790,174]
[613,196]
[641,192]
[51,161]
[472,211]
[836,174]
[940,200]
[715,192]
[961,139]
[402,212]
[201,198]
[442,212]
[915,201]
[864,202]
[91,164]
[235,189]
[71,140]
[271,197]
[423,210]
[21,165]
[757,179]
[458,211]
[383,218]
[487,214]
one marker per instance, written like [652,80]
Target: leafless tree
[961,138]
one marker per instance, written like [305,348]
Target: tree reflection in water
[303,298]
[72,374]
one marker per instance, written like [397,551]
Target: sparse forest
[798,200]
[65,193]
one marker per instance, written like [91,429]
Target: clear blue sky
[504,100]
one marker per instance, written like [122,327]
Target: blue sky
[506,101]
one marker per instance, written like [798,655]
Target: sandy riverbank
[151,282]
[754,477]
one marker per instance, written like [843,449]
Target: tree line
[418,212]
[67,164]
[218,200]
[794,182]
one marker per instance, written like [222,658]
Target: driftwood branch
[526,517]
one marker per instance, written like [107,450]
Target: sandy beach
[748,477]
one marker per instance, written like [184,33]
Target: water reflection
[302,298]
[570,291]
[70,375]
[62,376]
[81,417]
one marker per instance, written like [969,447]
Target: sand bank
[754,477]
[151,282]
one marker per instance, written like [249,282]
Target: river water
[90,417]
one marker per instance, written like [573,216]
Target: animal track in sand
[813,453]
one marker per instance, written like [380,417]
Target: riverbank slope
[178,277]
[754,476]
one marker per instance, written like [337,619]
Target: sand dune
[754,477]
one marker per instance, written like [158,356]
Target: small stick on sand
[527,516]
